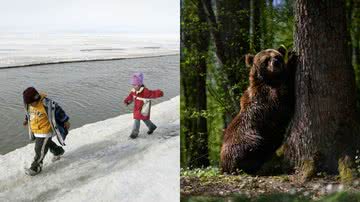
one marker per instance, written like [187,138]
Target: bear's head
[267,66]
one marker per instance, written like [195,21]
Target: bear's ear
[282,50]
[249,60]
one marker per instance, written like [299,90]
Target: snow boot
[133,135]
[57,157]
[151,131]
[31,172]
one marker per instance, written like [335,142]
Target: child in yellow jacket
[40,116]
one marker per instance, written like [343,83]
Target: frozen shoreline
[102,164]
[89,60]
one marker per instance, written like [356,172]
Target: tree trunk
[199,153]
[324,126]
[195,41]
[355,19]
[270,32]
[256,26]
[357,53]
[230,29]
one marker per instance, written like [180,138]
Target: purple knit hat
[137,79]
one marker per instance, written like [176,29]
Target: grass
[200,172]
[336,197]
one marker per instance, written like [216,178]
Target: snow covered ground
[101,163]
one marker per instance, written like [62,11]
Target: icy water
[88,91]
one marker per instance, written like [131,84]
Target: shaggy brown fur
[266,109]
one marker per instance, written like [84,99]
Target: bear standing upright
[267,106]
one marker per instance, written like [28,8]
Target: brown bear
[267,106]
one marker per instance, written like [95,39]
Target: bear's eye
[266,60]
[264,64]
[279,58]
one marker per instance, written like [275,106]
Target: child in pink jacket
[142,104]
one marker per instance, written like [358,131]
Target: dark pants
[42,145]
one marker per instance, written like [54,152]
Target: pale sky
[142,16]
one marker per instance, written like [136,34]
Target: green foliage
[215,130]
[195,42]
[200,172]
[241,198]
[346,171]
[222,92]
[357,79]
[283,25]
[276,197]
[341,197]
[214,199]
[182,132]
[282,197]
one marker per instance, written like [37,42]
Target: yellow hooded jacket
[39,122]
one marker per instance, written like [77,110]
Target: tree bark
[324,126]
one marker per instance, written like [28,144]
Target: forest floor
[204,184]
